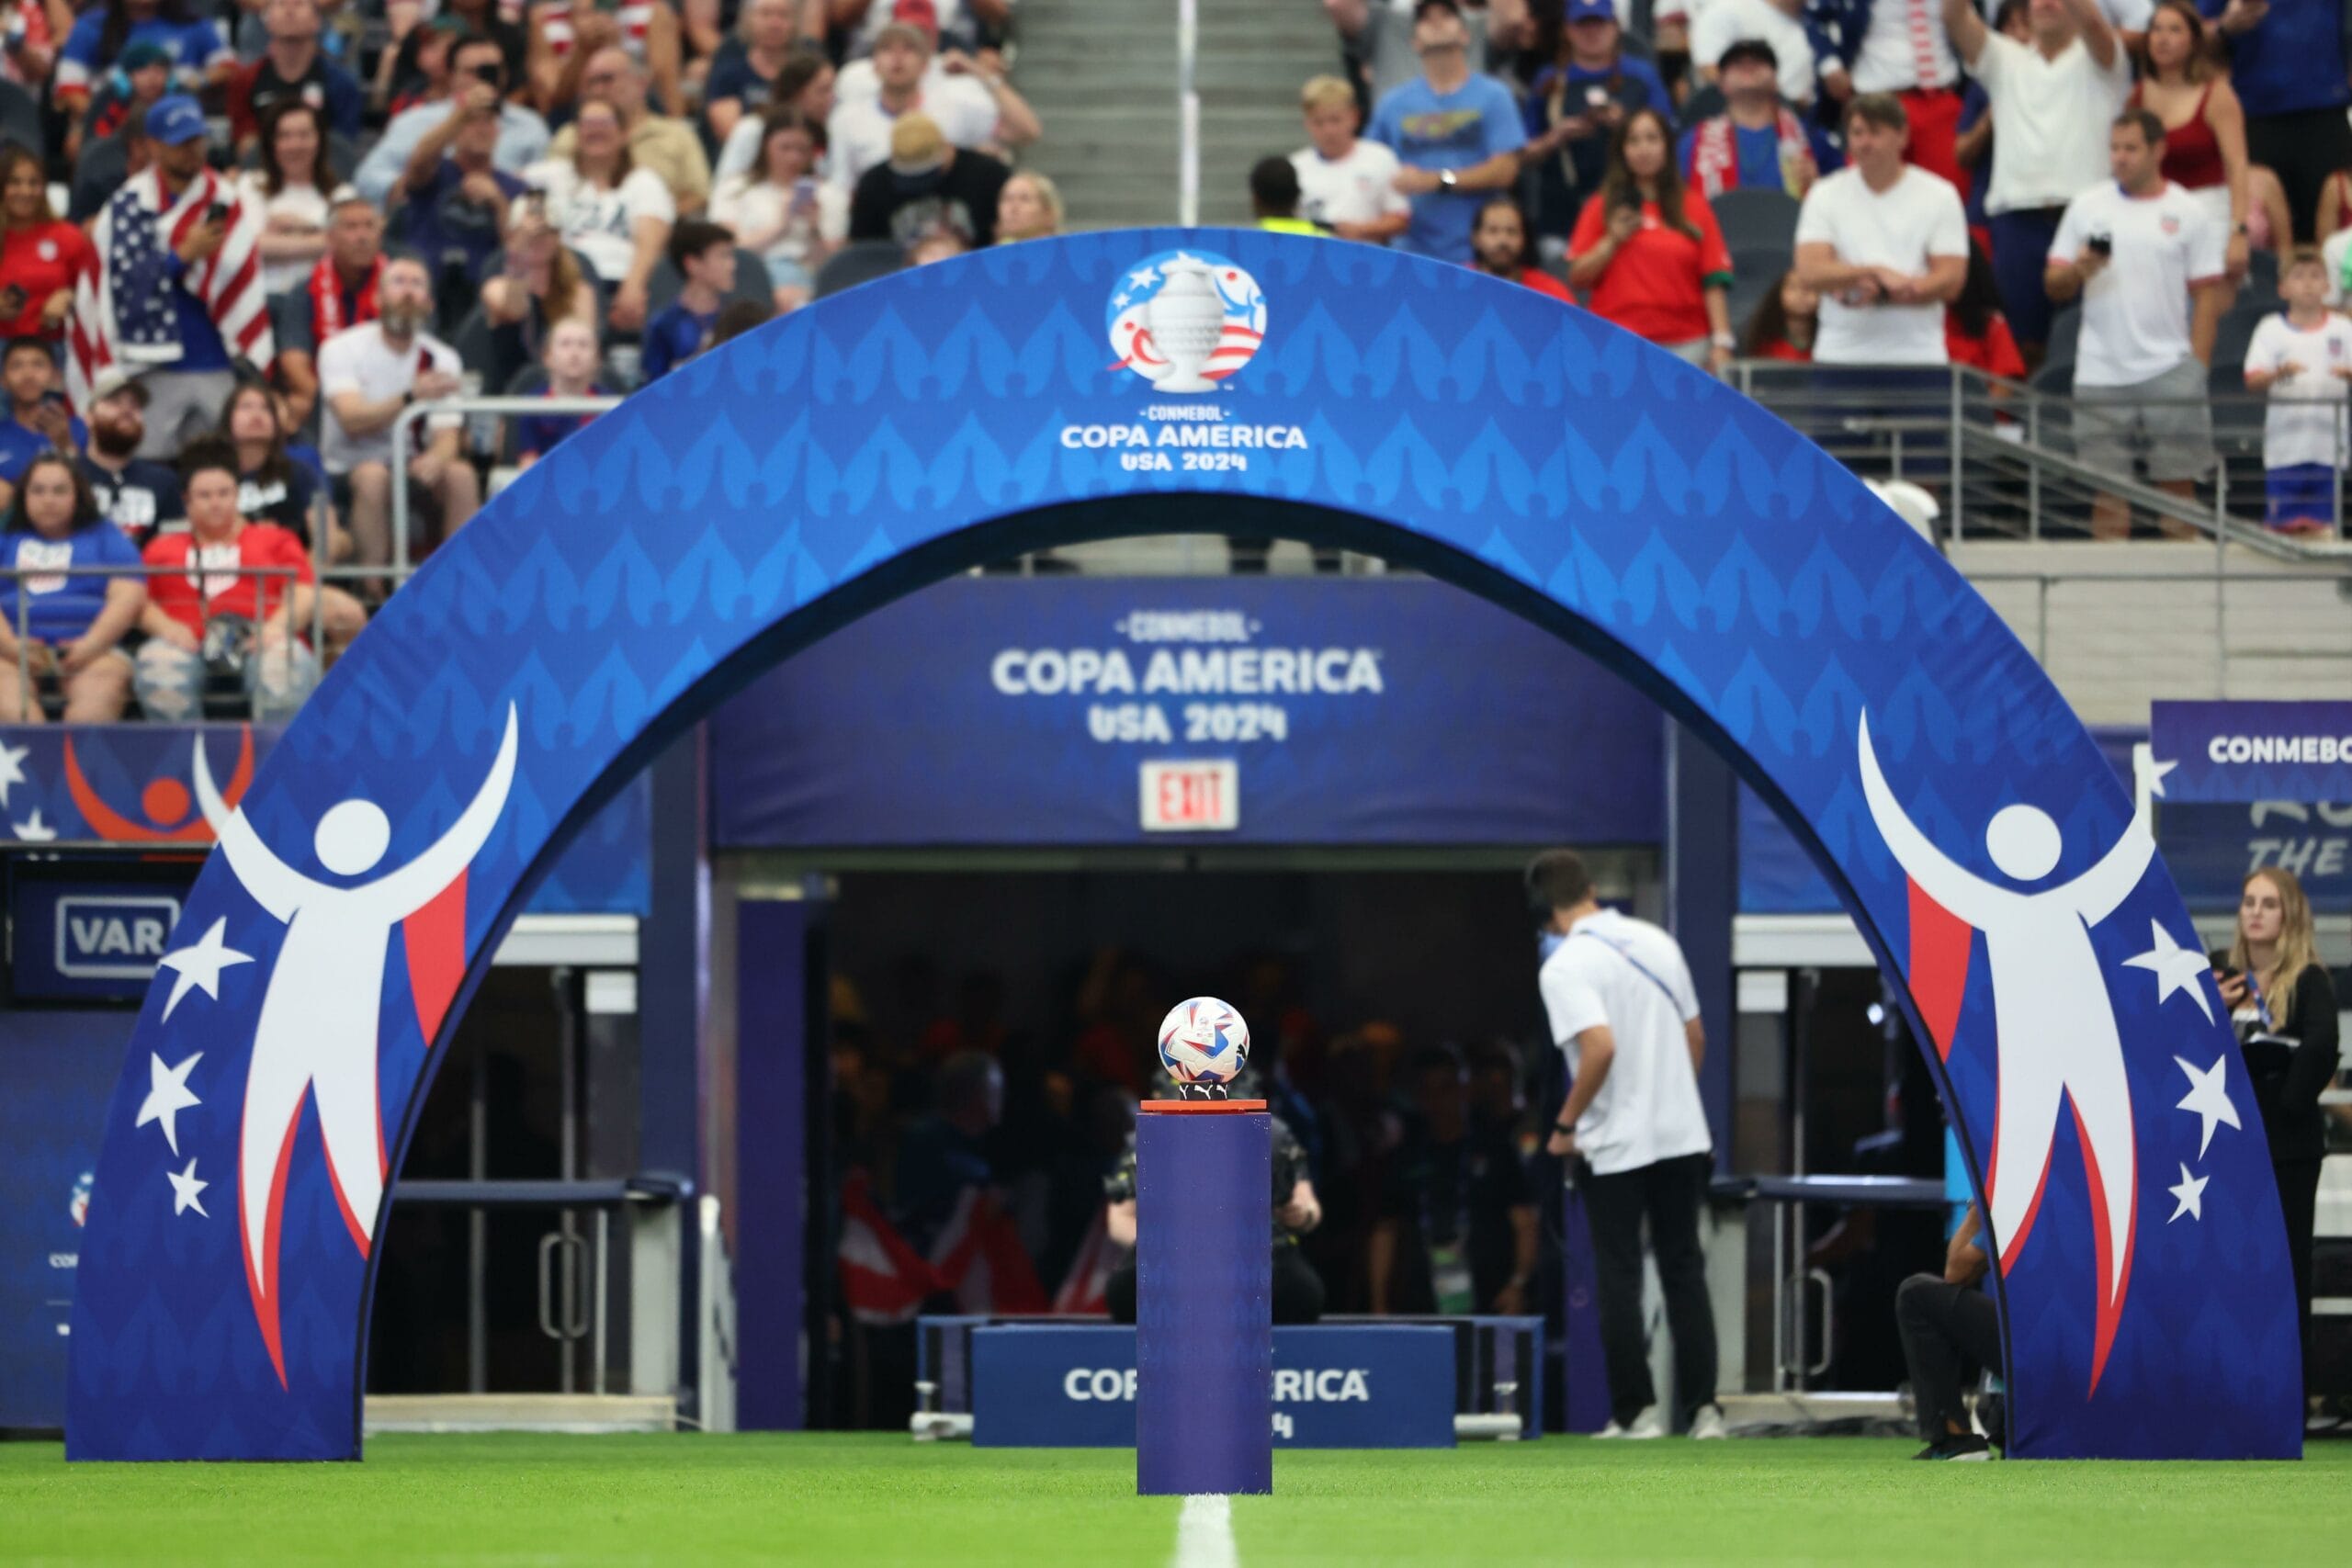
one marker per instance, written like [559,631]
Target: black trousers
[1944,1328]
[2299,1198]
[1668,1195]
[1298,1289]
[2305,150]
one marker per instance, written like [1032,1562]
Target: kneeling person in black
[1944,1323]
[1297,1288]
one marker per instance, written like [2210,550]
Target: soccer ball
[1204,1042]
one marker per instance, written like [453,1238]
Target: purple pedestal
[1204,1327]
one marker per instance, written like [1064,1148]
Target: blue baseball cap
[176,117]
[1591,11]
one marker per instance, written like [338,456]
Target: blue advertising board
[1336,1386]
[88,939]
[1023,711]
[2244,751]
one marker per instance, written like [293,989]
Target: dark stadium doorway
[804,474]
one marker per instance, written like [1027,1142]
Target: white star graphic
[2191,1194]
[199,967]
[2176,968]
[1144,278]
[2209,1096]
[185,1188]
[12,769]
[2156,772]
[167,1096]
[1119,301]
[34,831]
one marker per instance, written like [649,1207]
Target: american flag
[122,305]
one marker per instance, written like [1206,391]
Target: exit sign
[1192,797]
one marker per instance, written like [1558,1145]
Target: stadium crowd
[269,227]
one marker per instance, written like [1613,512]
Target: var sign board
[77,939]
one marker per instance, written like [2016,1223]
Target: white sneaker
[1648,1423]
[1709,1423]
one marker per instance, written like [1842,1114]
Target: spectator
[29,49]
[1274,198]
[106,29]
[234,602]
[2286,63]
[1973,147]
[1721,25]
[141,78]
[295,372]
[1461,1230]
[522,135]
[139,496]
[965,24]
[1347,184]
[74,625]
[1783,324]
[455,198]
[668,147]
[175,288]
[291,190]
[1976,332]
[782,211]
[1758,143]
[1029,207]
[615,214]
[274,486]
[40,255]
[344,285]
[947,1152]
[368,373]
[292,70]
[1501,247]
[1884,245]
[2205,135]
[1576,106]
[565,35]
[1898,48]
[570,365]
[944,240]
[704,256]
[1381,36]
[740,316]
[543,284]
[38,418]
[410,73]
[2136,250]
[2051,101]
[805,86]
[1456,134]
[1647,253]
[971,107]
[2301,356]
[746,66]
[927,184]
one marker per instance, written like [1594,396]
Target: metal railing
[23,576]
[404,425]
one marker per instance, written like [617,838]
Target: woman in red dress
[1647,251]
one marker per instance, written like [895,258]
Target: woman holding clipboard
[2283,1004]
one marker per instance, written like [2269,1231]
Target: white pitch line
[1204,1534]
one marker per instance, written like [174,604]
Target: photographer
[1946,1322]
[1623,1011]
[1297,1288]
[2134,250]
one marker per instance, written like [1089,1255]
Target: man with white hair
[666,145]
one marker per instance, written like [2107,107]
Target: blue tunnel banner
[775,490]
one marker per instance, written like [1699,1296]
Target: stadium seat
[860,261]
[1753,219]
[2065,328]
[1755,273]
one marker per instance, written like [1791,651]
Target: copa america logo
[1185,320]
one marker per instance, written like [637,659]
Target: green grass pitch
[880,1498]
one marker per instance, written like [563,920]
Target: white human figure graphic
[317,1030]
[2055,1034]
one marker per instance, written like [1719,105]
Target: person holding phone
[1575,109]
[2283,1006]
[1648,252]
[39,254]
[781,210]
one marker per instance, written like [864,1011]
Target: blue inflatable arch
[1140,382]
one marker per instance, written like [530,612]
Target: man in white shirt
[971,107]
[367,375]
[1885,245]
[1346,183]
[1623,1010]
[2051,103]
[2136,250]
